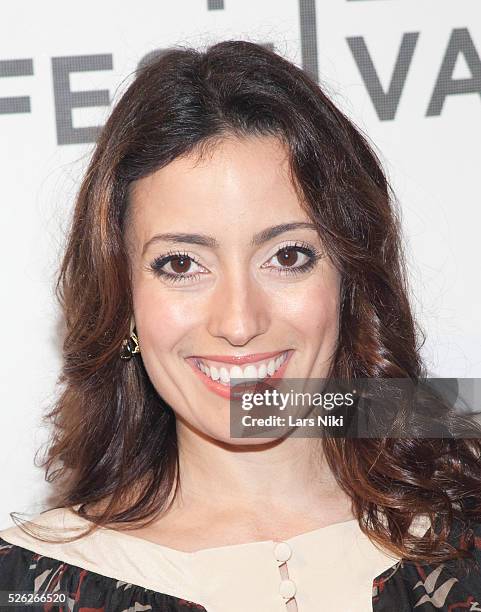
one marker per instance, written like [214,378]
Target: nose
[239,310]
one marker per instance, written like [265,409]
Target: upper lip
[240,359]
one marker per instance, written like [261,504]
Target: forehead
[237,182]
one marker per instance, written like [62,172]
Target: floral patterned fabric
[24,570]
[452,586]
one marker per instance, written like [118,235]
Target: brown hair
[114,438]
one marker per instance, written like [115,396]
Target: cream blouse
[320,565]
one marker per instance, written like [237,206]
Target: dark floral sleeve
[452,586]
[24,570]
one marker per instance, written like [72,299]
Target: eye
[176,267]
[294,259]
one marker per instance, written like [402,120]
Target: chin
[254,443]
[222,436]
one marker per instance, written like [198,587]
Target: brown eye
[287,256]
[180,265]
[293,259]
[177,267]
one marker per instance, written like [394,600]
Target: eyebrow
[209,241]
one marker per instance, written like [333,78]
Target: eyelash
[159,262]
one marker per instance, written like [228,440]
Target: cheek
[164,318]
[312,307]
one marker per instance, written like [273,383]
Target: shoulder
[39,534]
[447,586]
[36,558]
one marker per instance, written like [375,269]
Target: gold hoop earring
[130,346]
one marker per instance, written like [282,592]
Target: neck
[289,476]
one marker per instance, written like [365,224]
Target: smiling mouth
[223,373]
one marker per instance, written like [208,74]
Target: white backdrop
[407,71]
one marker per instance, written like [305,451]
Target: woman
[236,219]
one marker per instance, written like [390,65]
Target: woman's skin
[237,298]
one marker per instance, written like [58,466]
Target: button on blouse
[322,565]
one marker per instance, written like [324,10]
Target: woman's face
[228,272]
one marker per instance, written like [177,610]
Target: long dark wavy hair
[113,438]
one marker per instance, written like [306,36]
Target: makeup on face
[230,279]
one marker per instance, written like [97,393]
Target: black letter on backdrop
[12,68]
[460,42]
[66,100]
[307,20]
[385,103]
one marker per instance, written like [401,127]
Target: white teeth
[250,371]
[214,373]
[236,372]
